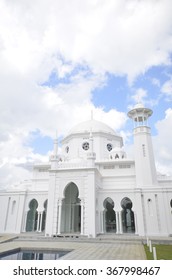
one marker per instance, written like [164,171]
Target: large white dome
[91,125]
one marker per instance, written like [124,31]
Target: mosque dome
[79,143]
[91,125]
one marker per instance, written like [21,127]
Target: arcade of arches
[70,215]
[118,221]
[34,219]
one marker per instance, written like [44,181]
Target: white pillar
[135,223]
[82,216]
[117,222]
[120,223]
[59,215]
[40,224]
[102,221]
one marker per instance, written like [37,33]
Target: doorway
[71,210]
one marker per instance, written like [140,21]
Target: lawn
[164,252]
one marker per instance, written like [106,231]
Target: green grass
[164,252]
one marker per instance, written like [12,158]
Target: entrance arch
[110,216]
[32,216]
[127,216]
[71,210]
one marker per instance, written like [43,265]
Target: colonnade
[34,219]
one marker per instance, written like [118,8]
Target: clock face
[109,147]
[85,146]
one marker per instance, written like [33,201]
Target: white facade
[93,188]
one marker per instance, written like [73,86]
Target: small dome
[91,125]
[138,105]
[117,150]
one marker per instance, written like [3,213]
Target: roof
[91,126]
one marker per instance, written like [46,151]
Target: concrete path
[84,249]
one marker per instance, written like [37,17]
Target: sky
[60,59]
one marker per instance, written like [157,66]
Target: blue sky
[61,59]
[116,93]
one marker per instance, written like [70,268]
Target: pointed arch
[128,223]
[32,216]
[71,210]
[109,215]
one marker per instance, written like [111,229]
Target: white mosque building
[92,188]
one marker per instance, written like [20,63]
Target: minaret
[54,156]
[91,156]
[144,156]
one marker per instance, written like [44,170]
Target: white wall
[11,213]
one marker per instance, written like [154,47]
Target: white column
[59,215]
[102,221]
[72,217]
[135,222]
[82,216]
[117,222]
[120,223]
[40,224]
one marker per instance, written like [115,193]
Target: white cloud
[156,82]
[140,95]
[27,107]
[11,175]
[120,37]
[166,89]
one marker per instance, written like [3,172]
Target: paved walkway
[88,249]
[103,247]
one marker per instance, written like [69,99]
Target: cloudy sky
[60,59]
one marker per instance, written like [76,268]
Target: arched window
[127,215]
[32,216]
[171,203]
[116,156]
[110,217]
